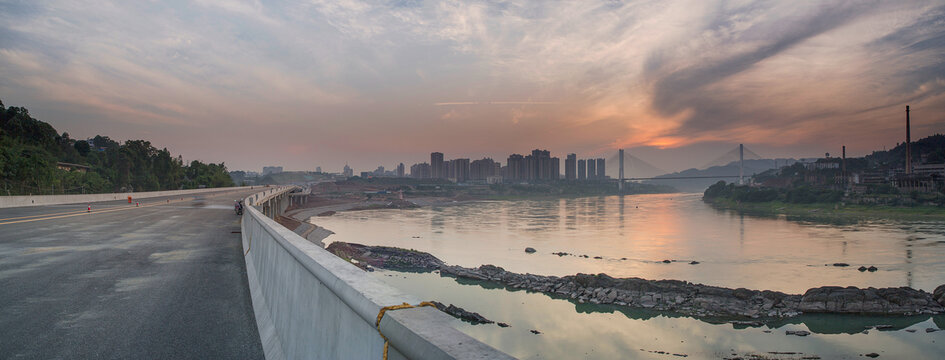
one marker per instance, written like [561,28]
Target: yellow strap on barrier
[380,315]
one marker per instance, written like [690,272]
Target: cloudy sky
[321,83]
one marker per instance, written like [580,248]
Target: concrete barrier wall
[37,200]
[310,304]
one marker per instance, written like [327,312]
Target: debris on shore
[385,257]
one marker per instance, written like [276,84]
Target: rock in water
[841,264]
[872,355]
[872,268]
[460,313]
[862,268]
[889,301]
[536,332]
[665,295]
[529,250]
[667,261]
[939,295]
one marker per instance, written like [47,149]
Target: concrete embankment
[313,233]
[311,304]
[38,200]
[668,295]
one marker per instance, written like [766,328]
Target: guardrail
[38,200]
[310,304]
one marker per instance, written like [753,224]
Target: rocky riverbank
[665,295]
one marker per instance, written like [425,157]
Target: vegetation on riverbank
[821,203]
[832,210]
[30,151]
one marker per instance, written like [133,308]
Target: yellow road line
[85,212]
[88,213]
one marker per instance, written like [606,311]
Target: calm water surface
[733,251]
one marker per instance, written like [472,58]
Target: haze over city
[324,83]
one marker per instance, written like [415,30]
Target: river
[632,236]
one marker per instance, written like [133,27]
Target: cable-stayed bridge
[636,169]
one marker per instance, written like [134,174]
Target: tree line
[31,150]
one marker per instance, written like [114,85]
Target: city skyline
[538,165]
[672,82]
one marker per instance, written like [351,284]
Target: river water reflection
[633,235]
[733,250]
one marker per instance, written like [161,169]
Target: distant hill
[699,185]
[932,148]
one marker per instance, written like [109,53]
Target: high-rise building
[516,167]
[271,170]
[531,167]
[420,171]
[459,170]
[555,168]
[601,172]
[570,167]
[348,172]
[591,169]
[482,169]
[436,165]
[538,165]
[581,169]
[400,170]
[318,169]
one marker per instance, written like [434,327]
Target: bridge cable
[380,315]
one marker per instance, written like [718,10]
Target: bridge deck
[166,280]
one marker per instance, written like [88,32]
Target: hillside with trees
[36,159]
[851,186]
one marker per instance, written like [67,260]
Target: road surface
[163,280]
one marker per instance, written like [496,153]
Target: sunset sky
[319,83]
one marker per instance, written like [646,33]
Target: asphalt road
[163,280]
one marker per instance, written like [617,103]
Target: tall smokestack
[908,143]
[620,182]
[843,165]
